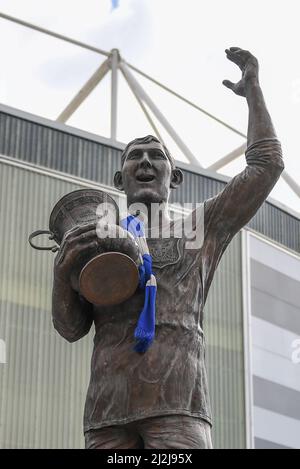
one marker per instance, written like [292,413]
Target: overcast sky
[179,42]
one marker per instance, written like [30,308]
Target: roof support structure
[84,92]
[114,62]
[228,158]
[185,100]
[240,151]
[145,111]
[53,34]
[291,183]
[158,114]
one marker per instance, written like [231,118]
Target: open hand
[249,67]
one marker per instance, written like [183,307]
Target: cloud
[128,28]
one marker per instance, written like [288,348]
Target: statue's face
[146,174]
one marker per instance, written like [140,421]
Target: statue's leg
[114,437]
[175,432]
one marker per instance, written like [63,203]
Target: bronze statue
[159,399]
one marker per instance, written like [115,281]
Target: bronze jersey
[170,378]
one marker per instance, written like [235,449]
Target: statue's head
[148,172]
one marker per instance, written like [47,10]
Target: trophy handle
[40,248]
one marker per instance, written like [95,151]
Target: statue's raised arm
[234,207]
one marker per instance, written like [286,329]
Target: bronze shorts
[164,432]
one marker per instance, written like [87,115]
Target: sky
[180,43]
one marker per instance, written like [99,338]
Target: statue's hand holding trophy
[95,255]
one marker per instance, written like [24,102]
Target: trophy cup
[104,279]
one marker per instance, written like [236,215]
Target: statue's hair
[147,139]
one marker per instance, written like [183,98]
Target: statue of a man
[159,399]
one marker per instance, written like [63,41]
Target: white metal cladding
[43,384]
[275,308]
[46,143]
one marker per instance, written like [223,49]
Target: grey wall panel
[277,398]
[275,296]
[57,150]
[277,428]
[43,384]
[225,352]
[195,188]
[84,157]
[277,225]
[264,444]
[264,254]
[276,311]
[275,283]
[275,365]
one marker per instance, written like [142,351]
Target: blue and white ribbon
[145,330]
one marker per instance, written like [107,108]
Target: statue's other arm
[72,314]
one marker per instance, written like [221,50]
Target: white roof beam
[158,114]
[114,59]
[53,34]
[84,91]
[228,158]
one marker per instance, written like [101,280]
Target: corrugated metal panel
[57,150]
[225,350]
[44,381]
[278,226]
[196,188]
[46,146]
[43,384]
